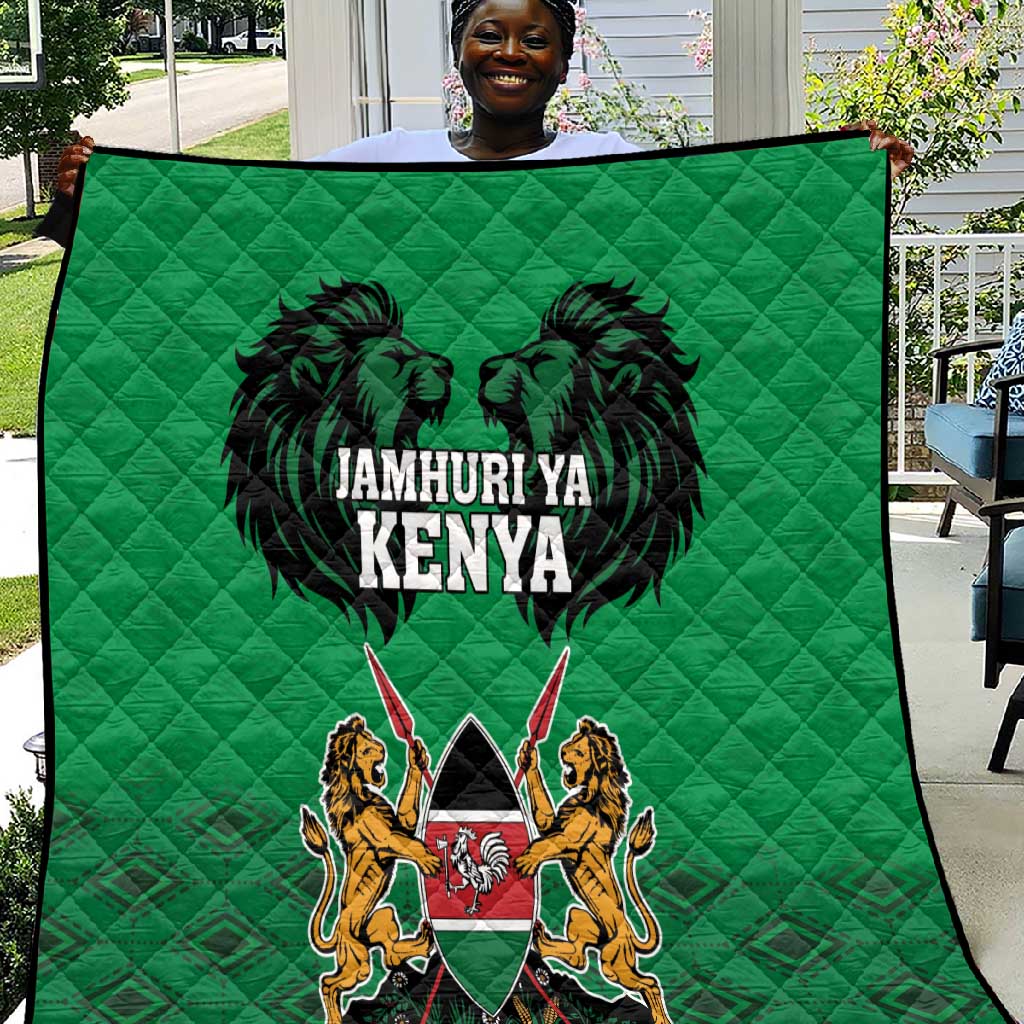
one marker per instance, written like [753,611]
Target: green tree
[270,10]
[81,77]
[21,848]
[936,84]
[132,25]
[217,12]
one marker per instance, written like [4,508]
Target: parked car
[265,40]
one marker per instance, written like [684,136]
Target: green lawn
[266,139]
[25,297]
[147,73]
[15,227]
[223,58]
[19,615]
[210,58]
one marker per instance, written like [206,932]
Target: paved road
[210,102]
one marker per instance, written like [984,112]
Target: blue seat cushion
[963,435]
[1013,591]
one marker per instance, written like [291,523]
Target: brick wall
[917,456]
[48,159]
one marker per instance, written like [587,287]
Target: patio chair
[998,591]
[998,597]
[962,440]
[1011,716]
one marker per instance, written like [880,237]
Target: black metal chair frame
[990,499]
[968,491]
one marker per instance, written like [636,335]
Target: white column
[319,75]
[172,79]
[418,58]
[758,69]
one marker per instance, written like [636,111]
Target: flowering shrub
[937,85]
[620,106]
[702,51]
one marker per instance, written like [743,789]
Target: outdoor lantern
[37,745]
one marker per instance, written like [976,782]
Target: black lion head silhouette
[604,379]
[338,372]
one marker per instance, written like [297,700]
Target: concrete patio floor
[977,817]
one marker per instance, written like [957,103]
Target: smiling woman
[512,55]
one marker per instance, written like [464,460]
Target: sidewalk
[21,680]
[21,716]
[13,257]
[19,548]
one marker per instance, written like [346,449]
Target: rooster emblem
[482,877]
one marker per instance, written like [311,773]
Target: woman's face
[511,59]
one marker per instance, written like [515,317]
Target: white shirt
[404,147]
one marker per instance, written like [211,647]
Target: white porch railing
[985,264]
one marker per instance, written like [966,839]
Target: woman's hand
[71,159]
[901,153]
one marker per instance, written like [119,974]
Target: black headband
[563,10]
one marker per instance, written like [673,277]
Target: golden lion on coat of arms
[373,835]
[583,835]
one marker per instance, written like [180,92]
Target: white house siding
[651,48]
[847,28]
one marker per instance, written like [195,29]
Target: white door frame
[758,69]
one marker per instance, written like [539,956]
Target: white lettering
[577,488]
[399,477]
[511,549]
[415,549]
[434,478]
[466,555]
[344,455]
[493,471]
[364,479]
[551,475]
[374,550]
[550,558]
[464,495]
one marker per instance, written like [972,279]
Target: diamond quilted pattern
[757,703]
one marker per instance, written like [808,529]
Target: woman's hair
[563,10]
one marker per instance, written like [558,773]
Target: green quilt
[467,599]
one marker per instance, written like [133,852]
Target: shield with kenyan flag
[481,910]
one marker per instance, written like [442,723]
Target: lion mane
[372,839]
[339,372]
[343,800]
[610,802]
[604,379]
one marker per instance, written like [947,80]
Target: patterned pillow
[1010,360]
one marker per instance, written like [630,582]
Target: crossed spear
[404,727]
[539,724]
